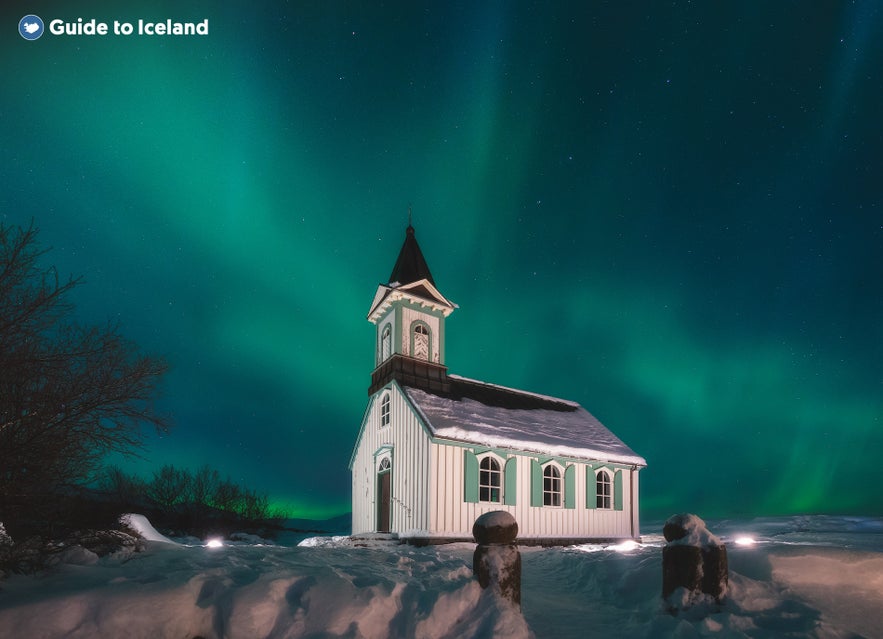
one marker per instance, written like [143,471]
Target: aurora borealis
[670,213]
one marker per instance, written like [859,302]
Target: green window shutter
[470,477]
[510,477]
[617,490]
[570,487]
[536,483]
[591,489]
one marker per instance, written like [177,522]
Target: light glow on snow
[214,542]
[744,540]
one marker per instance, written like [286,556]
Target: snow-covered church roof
[484,414]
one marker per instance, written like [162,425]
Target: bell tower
[409,314]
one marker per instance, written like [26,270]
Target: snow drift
[804,577]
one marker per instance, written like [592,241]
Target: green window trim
[397,345]
[591,489]
[617,490]
[470,477]
[536,484]
[570,487]
[510,481]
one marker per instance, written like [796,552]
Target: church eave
[534,449]
[386,296]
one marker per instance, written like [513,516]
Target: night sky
[668,212]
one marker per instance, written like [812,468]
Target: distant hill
[340,525]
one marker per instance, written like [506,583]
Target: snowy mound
[143,527]
[338,541]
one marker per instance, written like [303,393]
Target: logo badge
[30,27]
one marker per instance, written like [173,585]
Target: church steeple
[409,312]
[411,265]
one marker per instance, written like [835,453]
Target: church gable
[390,466]
[386,406]
[389,416]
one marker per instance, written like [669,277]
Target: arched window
[421,342]
[385,343]
[489,480]
[602,489]
[384,411]
[551,486]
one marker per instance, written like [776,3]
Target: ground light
[214,542]
[744,540]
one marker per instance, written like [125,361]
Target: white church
[436,450]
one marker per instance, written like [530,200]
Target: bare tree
[254,507]
[169,486]
[227,496]
[68,394]
[204,485]
[126,490]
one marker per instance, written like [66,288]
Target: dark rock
[5,539]
[36,553]
[25,557]
[104,542]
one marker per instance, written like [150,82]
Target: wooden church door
[384,494]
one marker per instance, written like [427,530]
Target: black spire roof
[411,265]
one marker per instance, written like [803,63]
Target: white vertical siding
[452,516]
[410,453]
[633,501]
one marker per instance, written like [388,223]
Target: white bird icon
[31,27]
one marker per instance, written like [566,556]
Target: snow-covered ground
[801,577]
